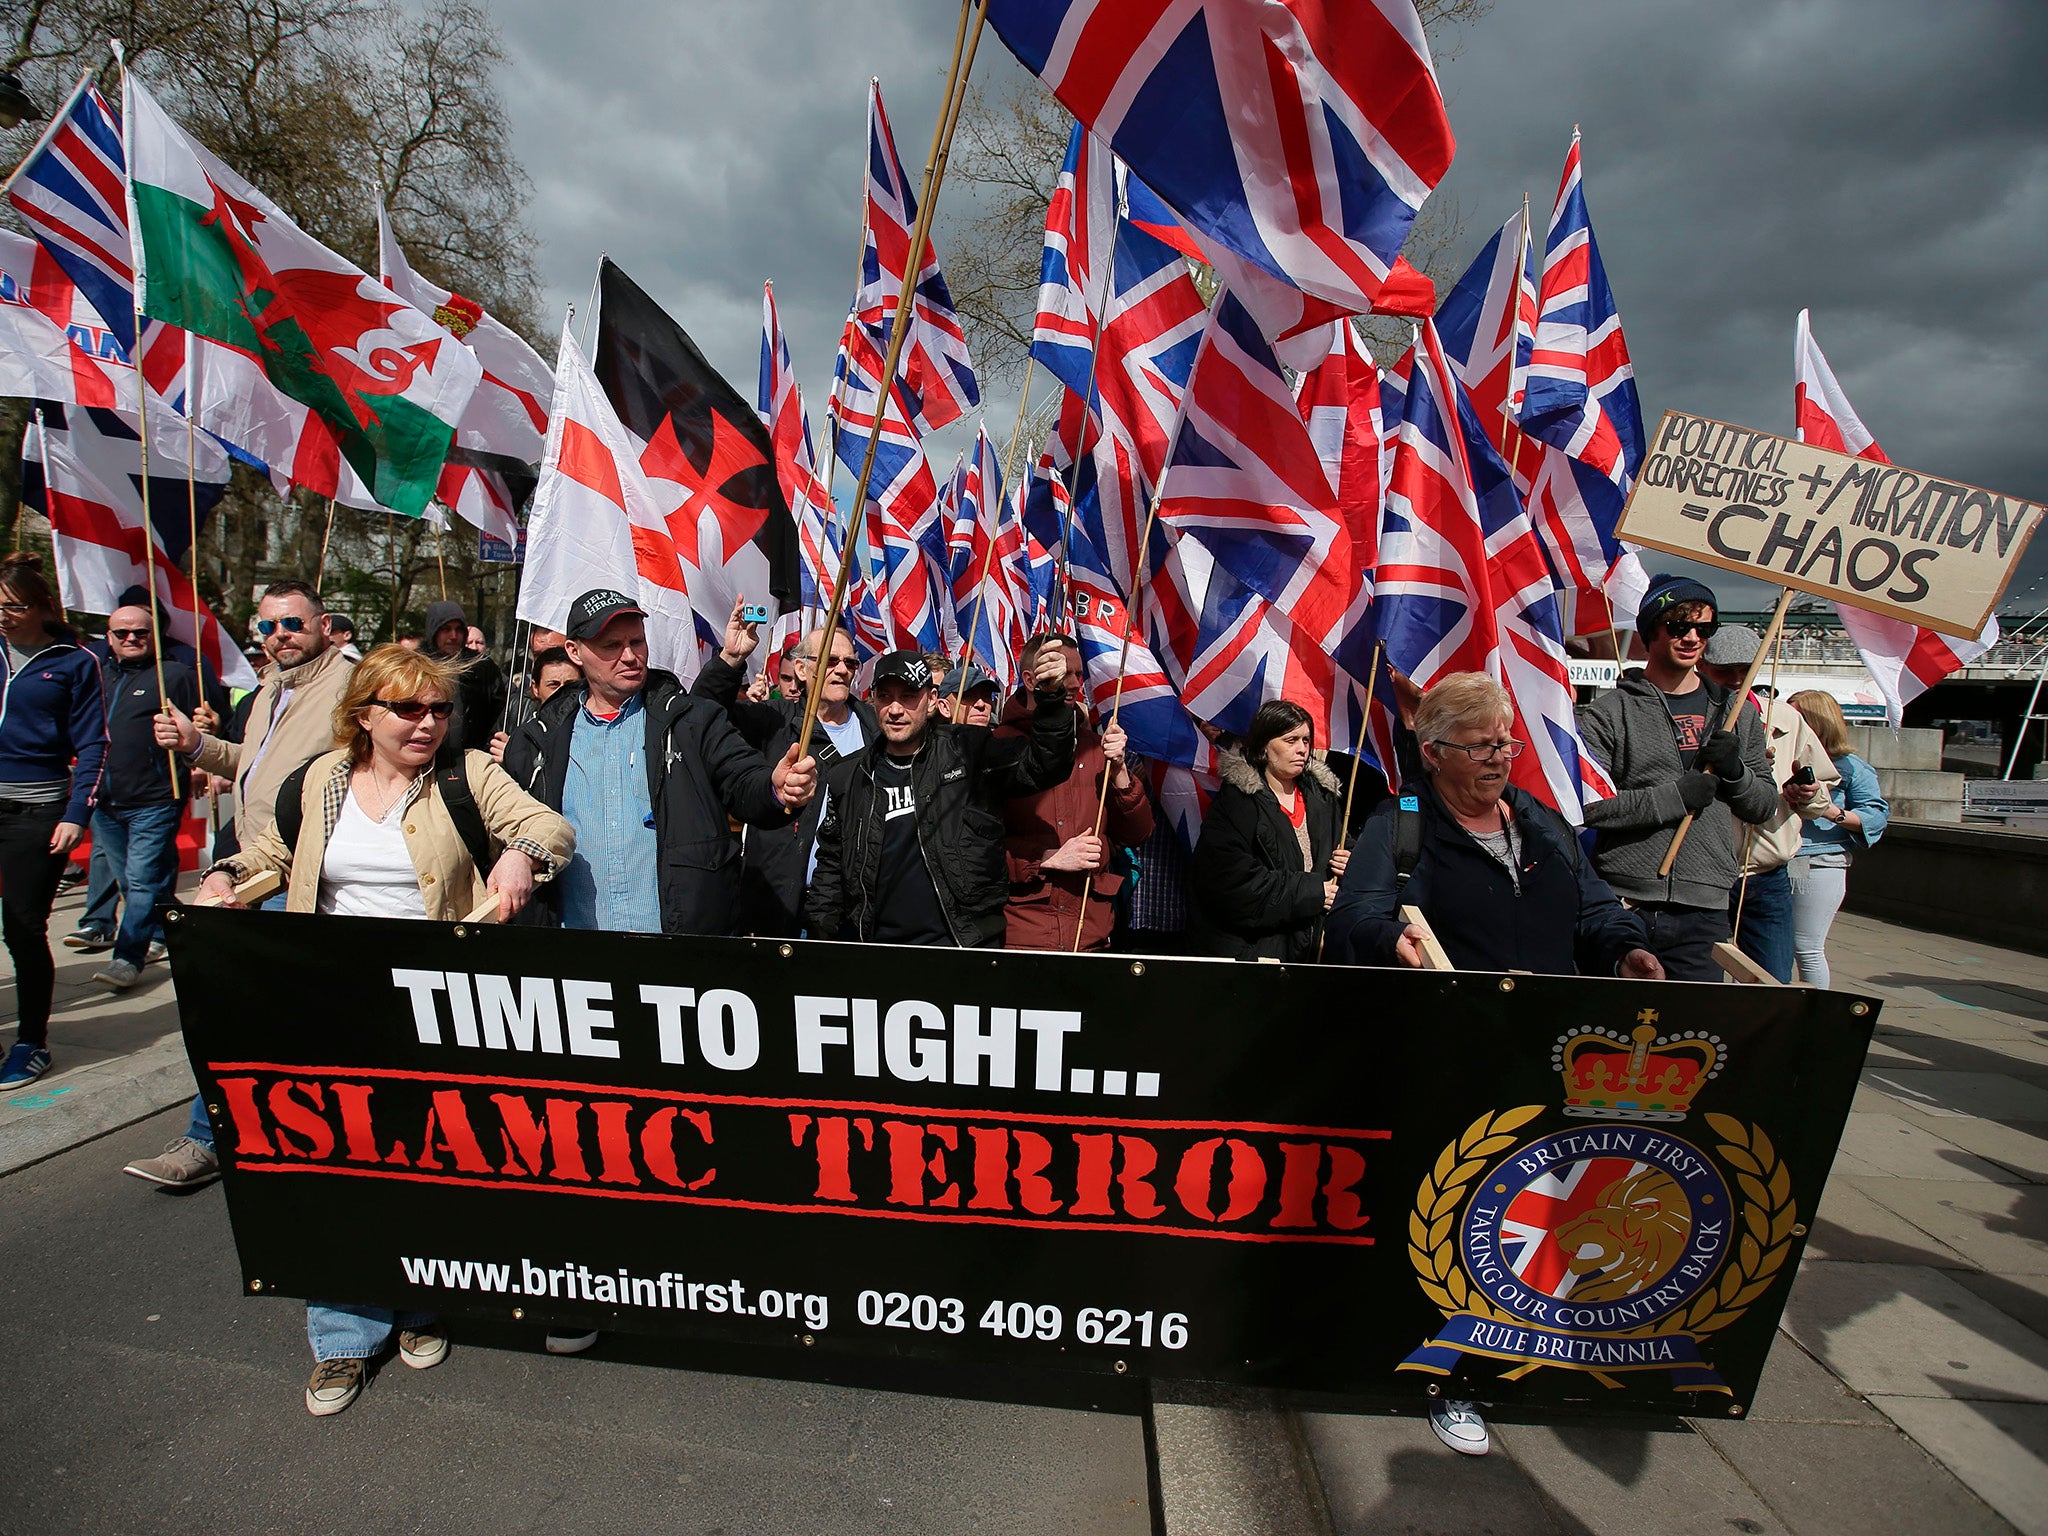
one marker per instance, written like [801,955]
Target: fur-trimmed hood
[1242,776]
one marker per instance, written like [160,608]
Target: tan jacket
[307,727]
[451,886]
[1791,742]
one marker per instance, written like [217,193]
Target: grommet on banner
[809,1341]
[518,1314]
[1799,1229]
[1121,1367]
[174,915]
[1735,1410]
[1507,983]
[785,950]
[462,930]
[1859,1009]
[255,1285]
[1137,967]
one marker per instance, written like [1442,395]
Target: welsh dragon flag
[214,255]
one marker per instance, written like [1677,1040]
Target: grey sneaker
[118,974]
[157,951]
[334,1385]
[423,1348]
[570,1343]
[88,941]
[1460,1427]
[185,1164]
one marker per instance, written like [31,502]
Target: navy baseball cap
[977,680]
[907,667]
[596,608]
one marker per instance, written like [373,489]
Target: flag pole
[1748,831]
[988,558]
[1735,703]
[1116,707]
[949,114]
[192,508]
[440,563]
[320,577]
[1351,787]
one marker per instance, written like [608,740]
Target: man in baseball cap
[900,859]
[972,700]
[649,777]
[1659,735]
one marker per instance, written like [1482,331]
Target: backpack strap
[452,777]
[291,806]
[1407,838]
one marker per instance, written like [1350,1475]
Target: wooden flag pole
[1087,410]
[1351,786]
[326,539]
[949,113]
[1116,707]
[192,507]
[1749,832]
[1735,704]
[988,558]
[441,565]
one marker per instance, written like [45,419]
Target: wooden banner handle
[485,911]
[1735,703]
[1433,956]
[1740,967]
[250,891]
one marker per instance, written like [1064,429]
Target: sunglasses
[1678,629]
[128,634]
[415,709]
[269,627]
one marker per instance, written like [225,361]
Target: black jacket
[1565,921]
[1253,900]
[775,860]
[138,771]
[479,705]
[700,777]
[961,776]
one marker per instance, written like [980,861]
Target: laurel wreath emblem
[1765,1227]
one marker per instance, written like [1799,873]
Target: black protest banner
[1336,1180]
[1860,531]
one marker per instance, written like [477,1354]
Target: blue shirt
[611,882]
[1857,792]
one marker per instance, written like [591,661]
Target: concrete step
[1920,784]
[1926,810]
[1881,747]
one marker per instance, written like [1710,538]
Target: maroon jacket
[1044,905]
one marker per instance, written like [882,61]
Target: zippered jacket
[53,723]
[961,777]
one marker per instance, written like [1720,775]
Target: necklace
[390,800]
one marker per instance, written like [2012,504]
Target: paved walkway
[1908,1392]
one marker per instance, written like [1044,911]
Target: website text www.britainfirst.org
[580,1283]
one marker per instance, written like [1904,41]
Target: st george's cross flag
[598,522]
[1904,659]
[218,258]
[1298,139]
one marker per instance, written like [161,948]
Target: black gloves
[1697,791]
[1722,755]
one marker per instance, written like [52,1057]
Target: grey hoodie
[1629,731]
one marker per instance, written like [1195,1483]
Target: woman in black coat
[1266,866]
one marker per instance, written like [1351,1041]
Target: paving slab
[1851,1480]
[1382,1475]
[1894,1147]
[2020,1145]
[2024,1298]
[1798,1389]
[1905,1330]
[1851,1226]
[1999,1227]
[1984,1095]
[1231,1463]
[1623,1482]
[1997,1450]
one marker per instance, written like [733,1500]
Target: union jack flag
[1903,658]
[902,517]
[989,596]
[936,373]
[781,404]
[1102,254]
[1579,398]
[1298,138]
[1114,650]
[1464,586]
[1487,324]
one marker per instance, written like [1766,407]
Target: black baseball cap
[904,667]
[596,608]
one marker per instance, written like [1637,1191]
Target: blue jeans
[200,1129]
[1766,931]
[142,849]
[355,1333]
[102,912]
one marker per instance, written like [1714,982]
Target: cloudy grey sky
[1882,162]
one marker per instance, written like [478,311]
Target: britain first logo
[1610,1247]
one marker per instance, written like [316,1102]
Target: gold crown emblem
[1638,1076]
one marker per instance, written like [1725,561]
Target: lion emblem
[1630,1238]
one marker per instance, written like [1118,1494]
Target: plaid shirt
[1159,896]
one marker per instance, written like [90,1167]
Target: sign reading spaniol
[1873,535]
[1354,1182]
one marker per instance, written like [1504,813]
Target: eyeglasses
[17,608]
[129,634]
[269,627]
[414,709]
[835,663]
[1485,751]
[1678,629]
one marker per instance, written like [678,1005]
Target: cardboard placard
[1873,535]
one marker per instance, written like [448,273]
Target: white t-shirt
[847,738]
[368,872]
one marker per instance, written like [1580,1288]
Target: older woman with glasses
[376,838]
[1499,875]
